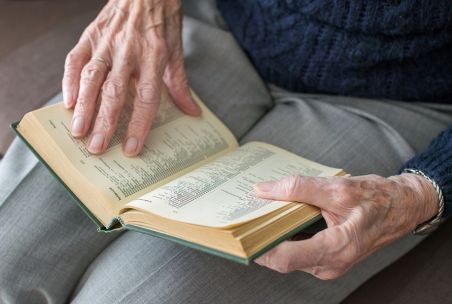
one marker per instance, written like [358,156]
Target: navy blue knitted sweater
[398,49]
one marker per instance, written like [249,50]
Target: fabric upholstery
[35,38]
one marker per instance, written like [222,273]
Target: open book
[192,183]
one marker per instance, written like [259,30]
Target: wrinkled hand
[363,214]
[136,42]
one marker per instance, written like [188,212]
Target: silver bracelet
[430,225]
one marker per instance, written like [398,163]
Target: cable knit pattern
[398,49]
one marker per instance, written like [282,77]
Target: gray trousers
[50,252]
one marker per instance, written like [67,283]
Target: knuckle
[367,184]
[71,59]
[178,84]
[83,105]
[392,183]
[328,275]
[291,185]
[92,73]
[160,49]
[113,90]
[376,177]
[294,180]
[90,30]
[92,34]
[146,93]
[105,123]
[344,190]
[109,111]
[343,184]
[139,124]
[383,200]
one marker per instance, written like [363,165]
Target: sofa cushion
[36,36]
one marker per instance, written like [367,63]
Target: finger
[317,191]
[146,103]
[75,61]
[176,80]
[326,255]
[113,96]
[293,255]
[92,77]
[309,254]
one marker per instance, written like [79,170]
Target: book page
[220,194]
[176,144]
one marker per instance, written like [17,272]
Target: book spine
[116,224]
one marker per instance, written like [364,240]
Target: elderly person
[395,57]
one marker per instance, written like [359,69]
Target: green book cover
[116,223]
[76,199]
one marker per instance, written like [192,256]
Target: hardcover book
[192,183]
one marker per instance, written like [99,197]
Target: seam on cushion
[268,110]
[239,139]
[71,296]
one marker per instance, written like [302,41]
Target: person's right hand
[363,214]
[136,40]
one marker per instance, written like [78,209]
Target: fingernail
[265,186]
[96,143]
[78,124]
[131,145]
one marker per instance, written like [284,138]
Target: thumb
[305,189]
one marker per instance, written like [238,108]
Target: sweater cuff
[436,162]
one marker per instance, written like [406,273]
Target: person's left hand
[363,214]
[131,43]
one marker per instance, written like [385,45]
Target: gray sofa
[35,37]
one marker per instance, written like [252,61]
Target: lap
[41,232]
[157,271]
[44,231]
[147,269]
[362,136]
[332,130]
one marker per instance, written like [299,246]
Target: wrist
[423,197]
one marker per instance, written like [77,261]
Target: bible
[192,183]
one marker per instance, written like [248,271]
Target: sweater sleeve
[436,162]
